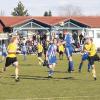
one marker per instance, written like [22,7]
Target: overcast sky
[37,7]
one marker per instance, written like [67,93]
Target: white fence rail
[3,36]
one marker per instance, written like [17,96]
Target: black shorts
[91,60]
[61,53]
[45,52]
[10,61]
[40,54]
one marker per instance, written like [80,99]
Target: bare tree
[70,10]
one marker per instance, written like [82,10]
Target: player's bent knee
[16,64]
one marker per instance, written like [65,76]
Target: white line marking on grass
[53,98]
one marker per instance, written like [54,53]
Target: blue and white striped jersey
[4,49]
[51,52]
[24,48]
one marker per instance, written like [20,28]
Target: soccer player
[40,50]
[45,48]
[24,51]
[61,50]
[51,57]
[4,52]
[92,53]
[11,57]
[69,50]
[85,55]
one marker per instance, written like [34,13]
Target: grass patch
[34,84]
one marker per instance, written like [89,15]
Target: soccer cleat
[89,70]
[70,71]
[50,77]
[95,78]
[73,70]
[79,70]
[17,79]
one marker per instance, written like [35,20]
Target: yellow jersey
[61,48]
[39,48]
[87,47]
[12,48]
[92,50]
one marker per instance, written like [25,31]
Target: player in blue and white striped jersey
[4,52]
[24,51]
[51,57]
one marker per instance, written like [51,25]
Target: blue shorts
[85,56]
[4,54]
[24,52]
[69,51]
[52,60]
[91,60]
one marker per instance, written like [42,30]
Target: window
[90,33]
[98,34]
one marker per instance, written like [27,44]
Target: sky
[37,7]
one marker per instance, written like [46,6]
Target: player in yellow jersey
[12,58]
[61,50]
[40,51]
[92,53]
[85,55]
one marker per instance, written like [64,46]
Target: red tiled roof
[50,20]
[92,21]
[11,21]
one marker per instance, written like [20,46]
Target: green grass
[34,85]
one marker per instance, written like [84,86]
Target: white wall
[95,34]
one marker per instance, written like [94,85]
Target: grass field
[34,85]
